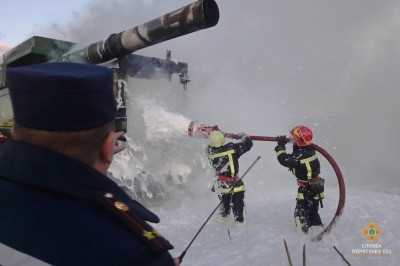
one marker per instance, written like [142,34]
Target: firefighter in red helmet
[304,164]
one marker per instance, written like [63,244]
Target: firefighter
[304,164]
[225,160]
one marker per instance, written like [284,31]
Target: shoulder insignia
[134,223]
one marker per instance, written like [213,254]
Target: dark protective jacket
[303,161]
[225,159]
[63,212]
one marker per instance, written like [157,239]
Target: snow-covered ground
[269,214]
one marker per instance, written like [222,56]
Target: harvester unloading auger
[199,130]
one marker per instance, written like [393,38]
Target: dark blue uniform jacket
[303,161]
[48,209]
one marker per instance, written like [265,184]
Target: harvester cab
[114,52]
[35,50]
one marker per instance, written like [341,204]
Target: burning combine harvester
[114,52]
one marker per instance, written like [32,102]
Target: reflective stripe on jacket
[225,159]
[303,161]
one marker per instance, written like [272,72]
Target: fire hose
[199,130]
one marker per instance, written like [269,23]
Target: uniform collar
[28,164]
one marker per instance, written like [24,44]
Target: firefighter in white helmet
[224,157]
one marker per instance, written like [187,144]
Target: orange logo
[371,232]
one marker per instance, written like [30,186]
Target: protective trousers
[306,211]
[237,200]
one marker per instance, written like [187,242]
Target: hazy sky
[21,19]
[266,67]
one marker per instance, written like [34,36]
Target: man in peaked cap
[57,206]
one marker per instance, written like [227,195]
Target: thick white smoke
[270,65]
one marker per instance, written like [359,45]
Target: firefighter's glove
[240,135]
[281,140]
[215,128]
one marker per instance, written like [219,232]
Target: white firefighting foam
[154,161]
[161,124]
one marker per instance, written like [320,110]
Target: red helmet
[302,135]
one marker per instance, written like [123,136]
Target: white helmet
[216,139]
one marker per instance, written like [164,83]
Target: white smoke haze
[270,65]
[264,68]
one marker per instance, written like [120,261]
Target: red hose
[342,191]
